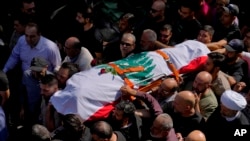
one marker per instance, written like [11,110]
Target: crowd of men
[50,42]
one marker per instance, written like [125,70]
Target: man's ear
[125,120]
[87,19]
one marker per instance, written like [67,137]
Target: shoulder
[120,136]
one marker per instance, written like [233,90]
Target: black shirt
[4,83]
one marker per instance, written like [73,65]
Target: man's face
[155,12]
[199,86]
[156,129]
[39,74]
[80,19]
[204,37]
[70,51]
[246,40]
[32,36]
[117,114]
[163,91]
[19,27]
[165,36]
[230,56]
[29,8]
[226,112]
[127,45]
[146,44]
[48,90]
[226,19]
[185,13]
[219,4]
[179,106]
[209,66]
[62,76]
[123,25]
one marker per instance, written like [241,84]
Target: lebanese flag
[92,94]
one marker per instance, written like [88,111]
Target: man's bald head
[160,5]
[71,41]
[202,82]
[196,135]
[168,87]
[102,129]
[187,97]
[170,83]
[205,76]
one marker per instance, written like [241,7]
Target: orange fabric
[134,69]
[170,65]
[122,74]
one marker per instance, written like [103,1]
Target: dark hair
[21,18]
[34,24]
[130,18]
[49,79]
[193,5]
[166,27]
[72,122]
[73,68]
[102,129]
[127,107]
[24,1]
[40,133]
[87,12]
[209,29]
[217,58]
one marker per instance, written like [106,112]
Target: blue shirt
[23,52]
[3,126]
[33,90]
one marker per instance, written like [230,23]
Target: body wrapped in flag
[93,93]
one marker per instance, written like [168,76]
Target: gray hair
[129,35]
[152,36]
[167,123]
[209,29]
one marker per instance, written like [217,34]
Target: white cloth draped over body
[88,93]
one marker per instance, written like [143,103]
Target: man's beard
[198,91]
[229,60]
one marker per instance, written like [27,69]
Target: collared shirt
[33,90]
[24,53]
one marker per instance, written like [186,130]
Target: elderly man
[31,97]
[167,132]
[77,54]
[127,44]
[227,117]
[160,120]
[101,130]
[195,135]
[206,102]
[66,70]
[182,110]
[167,91]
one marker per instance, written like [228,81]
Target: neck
[113,137]
[87,26]
[161,19]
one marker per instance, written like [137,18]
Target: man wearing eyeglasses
[166,91]
[127,44]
